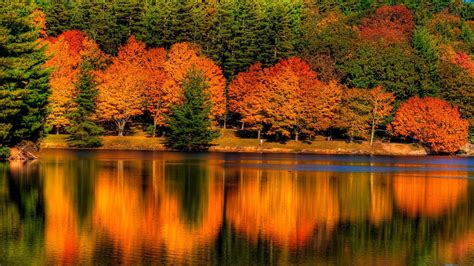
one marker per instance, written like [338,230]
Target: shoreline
[232,144]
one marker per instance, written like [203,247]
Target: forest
[370,70]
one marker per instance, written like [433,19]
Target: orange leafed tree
[285,105]
[122,84]
[287,97]
[433,122]
[181,58]
[65,60]
[248,97]
[303,104]
[390,23]
[464,61]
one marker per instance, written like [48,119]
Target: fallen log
[23,152]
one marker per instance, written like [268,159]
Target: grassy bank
[228,142]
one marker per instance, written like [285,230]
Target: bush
[4,153]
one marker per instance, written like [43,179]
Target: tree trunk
[154,127]
[297,134]
[372,133]
[57,130]
[121,126]
[243,126]
[225,120]
[258,136]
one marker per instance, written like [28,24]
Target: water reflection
[104,207]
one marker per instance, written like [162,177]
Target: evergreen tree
[24,84]
[84,133]
[57,18]
[189,123]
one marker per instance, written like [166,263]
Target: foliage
[354,113]
[285,98]
[121,86]
[84,132]
[65,60]
[277,67]
[24,85]
[381,103]
[328,41]
[433,122]
[182,57]
[389,66]
[388,23]
[4,153]
[189,122]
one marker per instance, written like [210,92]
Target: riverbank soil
[229,142]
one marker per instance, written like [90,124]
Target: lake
[108,207]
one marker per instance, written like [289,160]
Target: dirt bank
[228,143]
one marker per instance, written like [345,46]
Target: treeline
[282,68]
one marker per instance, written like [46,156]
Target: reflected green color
[107,207]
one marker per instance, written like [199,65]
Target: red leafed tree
[390,23]
[316,101]
[122,85]
[156,98]
[464,61]
[433,122]
[74,38]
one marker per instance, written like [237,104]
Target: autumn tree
[157,99]
[121,86]
[433,122]
[189,122]
[65,61]
[286,98]
[390,23]
[298,101]
[381,105]
[248,97]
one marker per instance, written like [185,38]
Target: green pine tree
[189,123]
[84,132]
[57,17]
[24,86]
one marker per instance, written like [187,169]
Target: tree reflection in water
[83,208]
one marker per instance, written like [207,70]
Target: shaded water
[143,207]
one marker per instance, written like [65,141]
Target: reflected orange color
[381,208]
[274,205]
[429,196]
[155,219]
[64,241]
[458,251]
[117,208]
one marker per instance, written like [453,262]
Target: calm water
[144,207]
